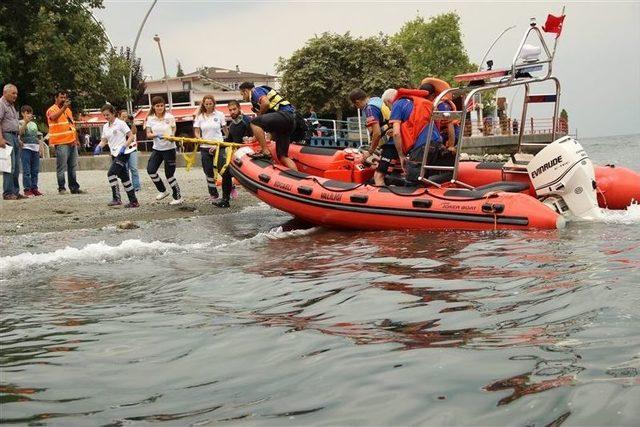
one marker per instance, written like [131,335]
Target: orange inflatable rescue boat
[334,194]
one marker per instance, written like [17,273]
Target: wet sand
[55,212]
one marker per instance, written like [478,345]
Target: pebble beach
[56,212]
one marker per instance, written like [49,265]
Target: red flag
[553,24]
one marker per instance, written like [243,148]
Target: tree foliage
[51,45]
[179,71]
[434,47]
[329,66]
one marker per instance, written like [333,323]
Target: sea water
[249,319]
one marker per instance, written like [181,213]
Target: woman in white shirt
[160,123]
[209,124]
[118,136]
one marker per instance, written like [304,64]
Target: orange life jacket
[62,130]
[420,116]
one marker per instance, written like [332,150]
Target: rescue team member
[209,124]
[239,132]
[377,118]
[132,163]
[449,129]
[276,115]
[410,116]
[160,123]
[118,136]
[63,136]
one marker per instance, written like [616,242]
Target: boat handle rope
[426,190]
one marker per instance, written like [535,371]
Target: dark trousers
[169,159]
[30,169]
[207,166]
[117,170]
[11,180]
[227,185]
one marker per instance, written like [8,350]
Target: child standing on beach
[31,152]
[117,134]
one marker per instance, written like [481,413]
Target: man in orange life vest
[64,137]
[410,116]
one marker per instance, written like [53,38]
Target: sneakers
[176,201]
[222,203]
[61,191]
[29,193]
[161,196]
[132,205]
[234,192]
[114,203]
[36,192]
[78,191]
[213,199]
[10,197]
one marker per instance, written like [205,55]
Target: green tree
[329,66]
[115,73]
[179,71]
[50,45]
[137,76]
[434,48]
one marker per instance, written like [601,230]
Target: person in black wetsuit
[239,132]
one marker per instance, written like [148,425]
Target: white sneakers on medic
[161,196]
[176,201]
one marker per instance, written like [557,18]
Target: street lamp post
[156,38]
[133,56]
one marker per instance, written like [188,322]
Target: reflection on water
[323,327]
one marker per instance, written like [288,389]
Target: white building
[220,82]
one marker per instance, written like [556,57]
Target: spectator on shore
[313,116]
[209,124]
[132,161]
[64,137]
[160,123]
[118,136]
[87,140]
[30,152]
[239,132]
[44,148]
[9,137]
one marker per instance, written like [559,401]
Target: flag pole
[555,43]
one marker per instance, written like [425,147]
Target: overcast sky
[597,60]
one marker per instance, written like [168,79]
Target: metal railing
[337,133]
[509,127]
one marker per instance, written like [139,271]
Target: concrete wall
[103,162]
[501,144]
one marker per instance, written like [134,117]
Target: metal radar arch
[526,60]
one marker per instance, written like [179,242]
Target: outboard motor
[563,177]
